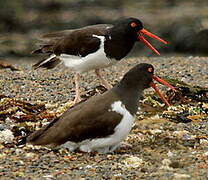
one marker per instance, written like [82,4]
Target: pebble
[170,154]
[165,165]
[30,155]
[18,151]
[2,127]
[6,136]
[166,162]
[181,176]
[155,131]
[180,134]
[133,162]
[204,142]
[48,177]
[206,154]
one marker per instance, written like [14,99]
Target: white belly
[95,60]
[83,64]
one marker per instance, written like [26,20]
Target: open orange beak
[147,33]
[154,86]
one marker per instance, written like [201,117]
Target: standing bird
[93,47]
[102,122]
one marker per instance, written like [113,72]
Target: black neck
[118,44]
[129,96]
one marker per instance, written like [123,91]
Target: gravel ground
[161,148]
[56,85]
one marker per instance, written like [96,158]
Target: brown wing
[59,34]
[77,43]
[72,41]
[74,125]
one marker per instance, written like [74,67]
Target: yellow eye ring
[133,24]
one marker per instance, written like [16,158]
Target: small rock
[205,154]
[133,162]
[176,164]
[18,151]
[88,166]
[21,162]
[6,136]
[181,176]
[185,135]
[2,127]
[2,156]
[170,154]
[165,165]
[48,177]
[157,116]
[30,155]
[166,162]
[116,176]
[204,142]
[144,170]
[155,131]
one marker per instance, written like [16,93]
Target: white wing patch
[124,127]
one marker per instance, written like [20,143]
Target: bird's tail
[41,136]
[49,63]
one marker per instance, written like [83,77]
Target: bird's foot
[107,85]
[102,80]
[125,145]
[77,99]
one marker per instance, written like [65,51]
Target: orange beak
[153,85]
[147,33]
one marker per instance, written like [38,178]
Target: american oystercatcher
[93,47]
[102,122]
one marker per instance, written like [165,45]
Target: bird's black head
[131,29]
[129,26]
[139,77]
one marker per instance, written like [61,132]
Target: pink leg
[102,80]
[77,96]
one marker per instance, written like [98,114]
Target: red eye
[133,24]
[150,69]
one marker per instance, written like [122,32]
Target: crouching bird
[102,122]
[93,47]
